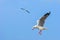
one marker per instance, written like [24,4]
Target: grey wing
[27,11]
[22,8]
[42,20]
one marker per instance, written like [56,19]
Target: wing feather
[42,20]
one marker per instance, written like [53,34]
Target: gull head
[35,27]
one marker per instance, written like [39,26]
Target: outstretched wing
[42,20]
[22,8]
[27,11]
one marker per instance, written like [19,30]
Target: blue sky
[17,25]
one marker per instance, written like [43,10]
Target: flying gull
[25,10]
[40,23]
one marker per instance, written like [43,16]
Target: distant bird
[25,10]
[40,23]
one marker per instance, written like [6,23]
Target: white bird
[40,23]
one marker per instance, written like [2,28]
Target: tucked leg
[40,32]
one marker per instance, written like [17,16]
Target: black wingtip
[47,13]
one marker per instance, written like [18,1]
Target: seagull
[40,23]
[25,10]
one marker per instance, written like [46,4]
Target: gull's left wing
[42,20]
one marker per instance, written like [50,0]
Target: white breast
[41,28]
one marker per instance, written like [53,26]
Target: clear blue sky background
[16,24]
